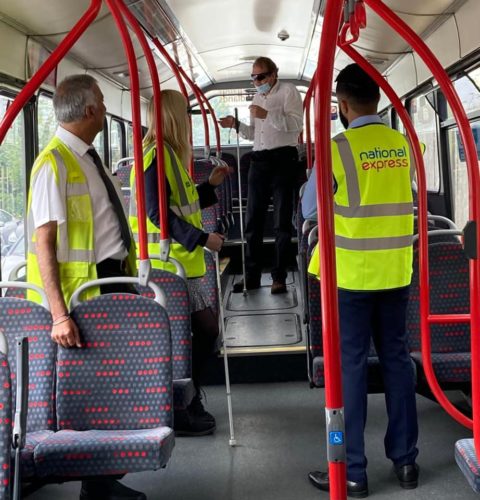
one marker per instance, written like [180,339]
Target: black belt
[111,267]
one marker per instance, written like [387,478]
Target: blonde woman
[185,201]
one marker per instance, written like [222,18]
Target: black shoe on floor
[197,410]
[407,476]
[278,287]
[354,490]
[252,284]
[106,488]
[186,424]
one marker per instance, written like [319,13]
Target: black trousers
[112,268]
[272,172]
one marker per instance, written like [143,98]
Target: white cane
[231,441]
[240,203]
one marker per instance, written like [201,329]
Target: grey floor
[280,434]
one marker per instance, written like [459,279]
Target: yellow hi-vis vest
[75,245]
[184,202]
[373,167]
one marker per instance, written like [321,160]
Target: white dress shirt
[284,120]
[48,205]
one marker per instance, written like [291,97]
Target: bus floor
[280,433]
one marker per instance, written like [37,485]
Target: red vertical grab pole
[422,220]
[137,127]
[328,281]
[162,192]
[57,55]
[474,202]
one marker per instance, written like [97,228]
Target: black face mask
[343,118]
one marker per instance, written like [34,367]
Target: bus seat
[5,427]
[19,317]
[449,293]
[122,170]
[178,310]
[467,460]
[113,396]
[209,281]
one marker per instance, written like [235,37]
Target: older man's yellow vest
[373,209]
[75,246]
[183,202]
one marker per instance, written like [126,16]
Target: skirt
[198,298]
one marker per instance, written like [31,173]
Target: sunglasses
[260,76]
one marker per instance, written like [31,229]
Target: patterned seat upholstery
[467,460]
[178,310]
[449,293]
[20,318]
[123,174]
[114,398]
[209,281]
[5,427]
[19,293]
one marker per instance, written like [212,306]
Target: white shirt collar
[72,141]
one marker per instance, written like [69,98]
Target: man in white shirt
[276,120]
[72,198]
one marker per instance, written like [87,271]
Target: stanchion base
[467,460]
[232,442]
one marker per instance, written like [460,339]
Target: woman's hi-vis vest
[183,202]
[373,167]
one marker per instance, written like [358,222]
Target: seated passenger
[185,202]
[77,234]
[373,236]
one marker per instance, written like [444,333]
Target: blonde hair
[175,125]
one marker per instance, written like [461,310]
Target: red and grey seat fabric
[449,293]
[5,427]
[122,170]
[209,281]
[19,293]
[113,396]
[20,318]
[178,310]
[467,460]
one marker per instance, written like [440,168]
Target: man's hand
[227,121]
[258,112]
[66,334]
[218,174]
[215,242]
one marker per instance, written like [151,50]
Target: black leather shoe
[197,410]
[278,287]
[186,424]
[252,284]
[106,488]
[407,476]
[354,490]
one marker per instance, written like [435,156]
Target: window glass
[459,174]
[47,124]
[116,142]
[129,140]
[12,191]
[425,122]
[468,92]
[99,144]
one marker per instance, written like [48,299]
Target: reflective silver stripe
[77,189]
[80,255]
[178,177]
[186,209]
[346,154]
[379,210]
[149,148]
[151,237]
[389,243]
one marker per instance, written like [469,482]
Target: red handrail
[214,119]
[162,192]
[56,56]
[137,126]
[328,282]
[474,205]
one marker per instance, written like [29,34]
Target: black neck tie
[114,199]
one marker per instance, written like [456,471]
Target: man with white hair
[77,229]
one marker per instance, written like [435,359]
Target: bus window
[116,141]
[12,189]
[467,89]
[129,140]
[459,174]
[424,120]
[99,143]
[47,124]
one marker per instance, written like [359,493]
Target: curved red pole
[162,192]
[474,183]
[328,282]
[308,130]
[422,221]
[137,127]
[39,77]
[214,119]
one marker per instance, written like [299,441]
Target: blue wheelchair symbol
[336,438]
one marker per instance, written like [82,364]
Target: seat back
[20,318]
[449,293]
[123,174]
[121,379]
[209,281]
[178,310]
[5,427]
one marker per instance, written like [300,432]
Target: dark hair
[355,84]
[267,63]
